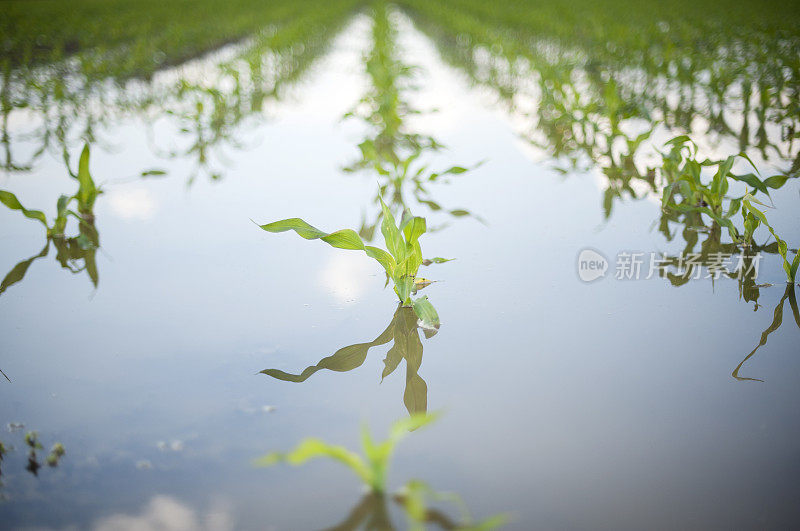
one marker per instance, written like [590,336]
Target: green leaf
[403,286]
[344,239]
[391,361]
[415,395]
[789,267]
[401,428]
[777,320]
[11,201]
[303,229]
[153,173]
[343,360]
[19,270]
[405,219]
[493,522]
[392,235]
[415,228]
[313,448]
[436,260]
[426,312]
[753,181]
[87,191]
[454,170]
[383,258]
[776,181]
[373,471]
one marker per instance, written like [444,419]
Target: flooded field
[419,265]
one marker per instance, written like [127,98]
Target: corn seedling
[401,262]
[372,469]
[372,510]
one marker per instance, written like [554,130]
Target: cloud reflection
[163,513]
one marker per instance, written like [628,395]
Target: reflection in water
[163,513]
[601,92]
[372,513]
[393,153]
[69,95]
[35,447]
[403,332]
[607,96]
[597,87]
[74,253]
[777,320]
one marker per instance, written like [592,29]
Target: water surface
[566,404]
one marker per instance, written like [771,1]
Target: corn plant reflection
[372,512]
[777,321]
[599,97]
[403,333]
[78,83]
[74,253]
[392,151]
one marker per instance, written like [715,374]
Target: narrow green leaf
[153,173]
[383,258]
[87,191]
[11,201]
[415,394]
[391,234]
[776,181]
[403,285]
[753,181]
[313,448]
[426,312]
[303,229]
[415,421]
[415,228]
[18,272]
[344,239]
[436,260]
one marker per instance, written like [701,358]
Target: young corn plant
[682,172]
[401,262]
[372,469]
[372,512]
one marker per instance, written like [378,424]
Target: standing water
[359,265]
